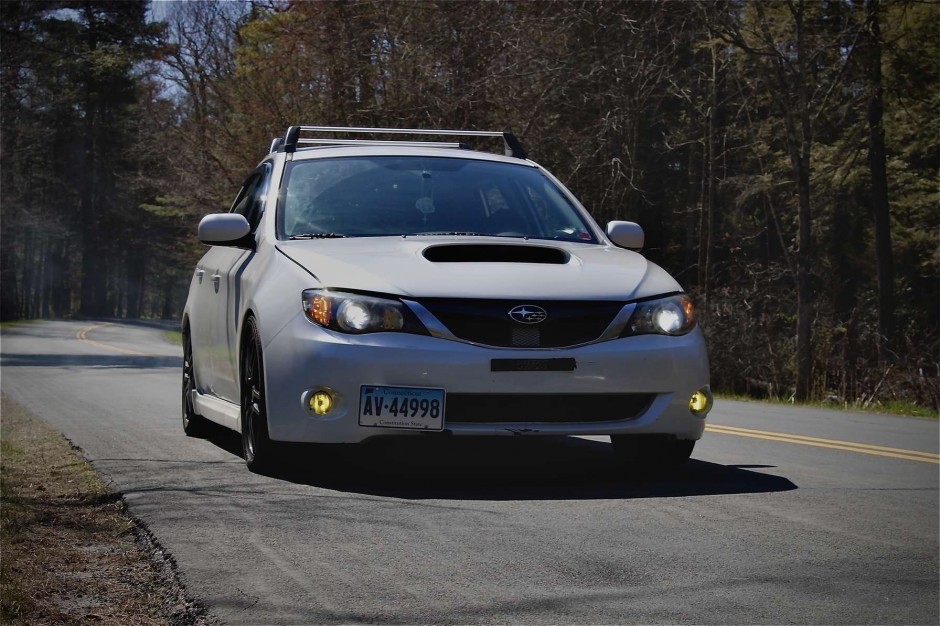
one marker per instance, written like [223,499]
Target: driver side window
[250,199]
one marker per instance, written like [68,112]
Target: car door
[224,267]
[201,310]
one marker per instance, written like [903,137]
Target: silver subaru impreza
[362,286]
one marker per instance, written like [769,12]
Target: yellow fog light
[321,402]
[701,402]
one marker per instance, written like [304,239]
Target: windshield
[381,196]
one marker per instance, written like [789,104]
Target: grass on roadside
[71,554]
[896,407]
[14,323]
[173,336]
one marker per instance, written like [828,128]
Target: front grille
[490,408]
[487,322]
[526,336]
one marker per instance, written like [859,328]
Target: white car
[363,288]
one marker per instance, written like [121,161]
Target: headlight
[357,313]
[673,315]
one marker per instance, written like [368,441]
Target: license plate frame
[402,408]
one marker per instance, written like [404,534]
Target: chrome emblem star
[528,314]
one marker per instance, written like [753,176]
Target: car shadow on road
[500,468]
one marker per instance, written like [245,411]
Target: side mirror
[626,234]
[226,229]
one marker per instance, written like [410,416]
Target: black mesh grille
[544,408]
[487,322]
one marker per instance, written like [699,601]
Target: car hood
[479,267]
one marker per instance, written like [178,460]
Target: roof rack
[290,142]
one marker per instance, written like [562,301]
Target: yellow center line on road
[834,444]
[82,336]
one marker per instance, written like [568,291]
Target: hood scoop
[495,253]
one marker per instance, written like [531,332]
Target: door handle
[216,278]
[200,274]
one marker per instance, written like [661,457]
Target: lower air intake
[490,408]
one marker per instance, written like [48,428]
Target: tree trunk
[57,301]
[135,285]
[879,189]
[703,223]
[690,204]
[94,277]
[93,280]
[29,267]
[42,267]
[799,148]
[10,294]
[804,290]
[167,311]
[711,216]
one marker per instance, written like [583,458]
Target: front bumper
[303,358]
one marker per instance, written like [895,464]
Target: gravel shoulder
[71,552]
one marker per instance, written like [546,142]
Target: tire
[259,451]
[651,453]
[194,425]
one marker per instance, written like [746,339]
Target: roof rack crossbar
[378,142]
[513,147]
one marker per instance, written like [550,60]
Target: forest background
[783,156]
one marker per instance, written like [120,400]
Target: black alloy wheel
[194,425]
[257,446]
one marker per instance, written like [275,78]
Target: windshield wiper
[318,236]
[461,233]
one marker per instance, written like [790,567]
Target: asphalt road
[784,515]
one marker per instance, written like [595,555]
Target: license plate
[412,408]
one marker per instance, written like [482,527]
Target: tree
[72,86]
[877,159]
[766,148]
[805,49]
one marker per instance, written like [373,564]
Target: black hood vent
[495,253]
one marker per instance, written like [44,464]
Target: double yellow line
[82,335]
[834,444]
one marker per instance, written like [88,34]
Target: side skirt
[222,412]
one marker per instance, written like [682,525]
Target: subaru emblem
[528,314]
